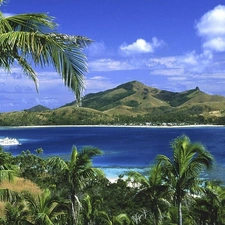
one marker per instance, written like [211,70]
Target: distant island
[131,103]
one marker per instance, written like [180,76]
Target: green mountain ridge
[136,98]
[131,102]
[38,108]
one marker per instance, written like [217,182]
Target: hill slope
[132,97]
[38,108]
[135,98]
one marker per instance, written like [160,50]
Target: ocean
[125,148]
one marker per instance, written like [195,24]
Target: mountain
[132,98]
[38,108]
[135,98]
[132,102]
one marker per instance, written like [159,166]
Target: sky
[173,45]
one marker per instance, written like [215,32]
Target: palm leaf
[138,178]
[8,195]
[121,219]
[57,162]
[32,36]
[7,175]
[61,51]
[30,22]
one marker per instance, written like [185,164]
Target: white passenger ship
[9,141]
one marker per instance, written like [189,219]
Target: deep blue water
[123,147]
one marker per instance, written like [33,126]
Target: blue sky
[171,45]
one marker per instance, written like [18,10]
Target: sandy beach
[136,126]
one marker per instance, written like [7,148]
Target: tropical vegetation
[73,191]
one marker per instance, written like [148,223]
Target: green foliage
[103,102]
[44,209]
[74,192]
[176,99]
[16,214]
[31,166]
[132,103]
[183,170]
[7,170]
[77,173]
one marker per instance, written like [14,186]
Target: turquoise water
[125,148]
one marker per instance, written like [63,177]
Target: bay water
[125,148]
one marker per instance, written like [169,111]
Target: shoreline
[123,126]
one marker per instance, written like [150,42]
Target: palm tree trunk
[73,212]
[75,205]
[180,222]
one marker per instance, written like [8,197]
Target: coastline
[117,126]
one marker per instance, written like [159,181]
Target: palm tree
[209,207]
[16,213]
[44,209]
[121,219]
[26,37]
[7,170]
[77,174]
[90,208]
[183,170]
[152,189]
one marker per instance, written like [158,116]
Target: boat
[9,141]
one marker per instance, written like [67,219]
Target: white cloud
[212,23]
[167,72]
[96,49]
[178,78]
[109,65]
[49,101]
[15,82]
[216,44]
[17,91]
[165,62]
[197,63]
[23,89]
[97,78]
[141,46]
[48,75]
[211,29]
[98,83]
[190,59]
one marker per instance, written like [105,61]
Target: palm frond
[7,175]
[105,217]
[57,162]
[138,178]
[74,155]
[63,52]
[27,69]
[121,219]
[8,195]
[90,151]
[31,22]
